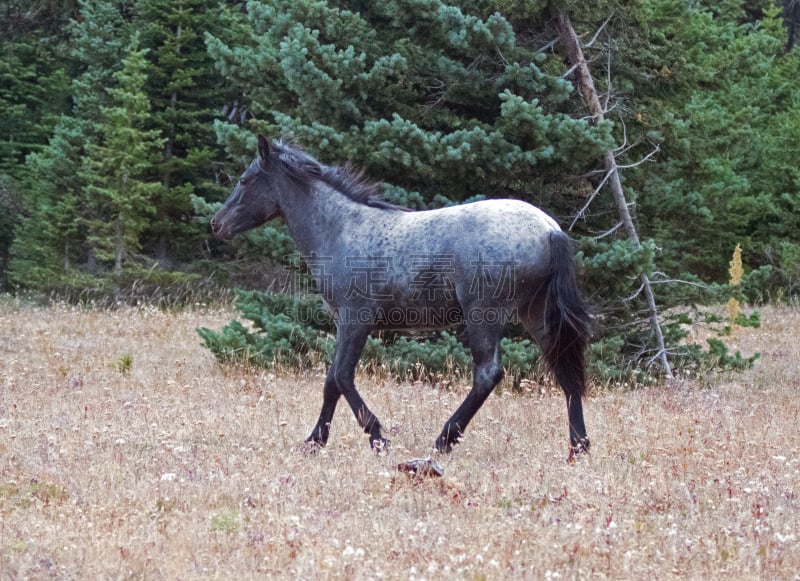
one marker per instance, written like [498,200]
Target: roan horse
[381,266]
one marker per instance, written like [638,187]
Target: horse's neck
[318,219]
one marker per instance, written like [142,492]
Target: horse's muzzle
[216,229]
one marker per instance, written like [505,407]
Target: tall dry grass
[127,452]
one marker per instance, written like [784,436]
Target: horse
[382,266]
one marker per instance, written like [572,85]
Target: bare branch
[624,145]
[582,212]
[549,45]
[680,281]
[588,203]
[597,34]
[645,159]
[634,295]
[608,232]
[608,78]
[500,54]
[569,72]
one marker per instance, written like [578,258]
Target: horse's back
[492,230]
[492,250]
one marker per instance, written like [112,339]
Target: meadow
[128,452]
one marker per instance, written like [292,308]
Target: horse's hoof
[578,450]
[380,446]
[443,446]
[422,467]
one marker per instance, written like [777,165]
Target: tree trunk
[791,12]
[162,250]
[590,96]
[91,261]
[4,259]
[120,251]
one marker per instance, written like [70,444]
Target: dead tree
[586,84]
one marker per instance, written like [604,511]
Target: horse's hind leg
[484,342]
[568,368]
[579,441]
[330,397]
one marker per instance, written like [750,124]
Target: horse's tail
[567,322]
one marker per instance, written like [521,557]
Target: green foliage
[691,358]
[426,359]
[136,285]
[227,522]
[52,236]
[427,96]
[521,358]
[186,94]
[134,141]
[720,358]
[297,331]
[114,169]
[785,258]
[47,241]
[33,88]
[9,218]
[14,495]
[123,363]
[288,332]
[721,103]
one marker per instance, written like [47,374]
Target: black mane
[347,179]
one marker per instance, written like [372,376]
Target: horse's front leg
[330,397]
[350,340]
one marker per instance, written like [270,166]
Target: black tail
[566,319]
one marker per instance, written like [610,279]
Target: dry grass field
[127,452]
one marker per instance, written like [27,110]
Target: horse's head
[254,200]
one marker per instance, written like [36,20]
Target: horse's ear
[264,147]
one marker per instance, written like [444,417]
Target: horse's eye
[243,181]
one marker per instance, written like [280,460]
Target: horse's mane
[347,179]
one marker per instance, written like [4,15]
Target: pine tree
[186,94]
[115,169]
[440,102]
[32,95]
[51,238]
[48,239]
[33,89]
[722,105]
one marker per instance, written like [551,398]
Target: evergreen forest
[125,123]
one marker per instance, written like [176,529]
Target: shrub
[296,331]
